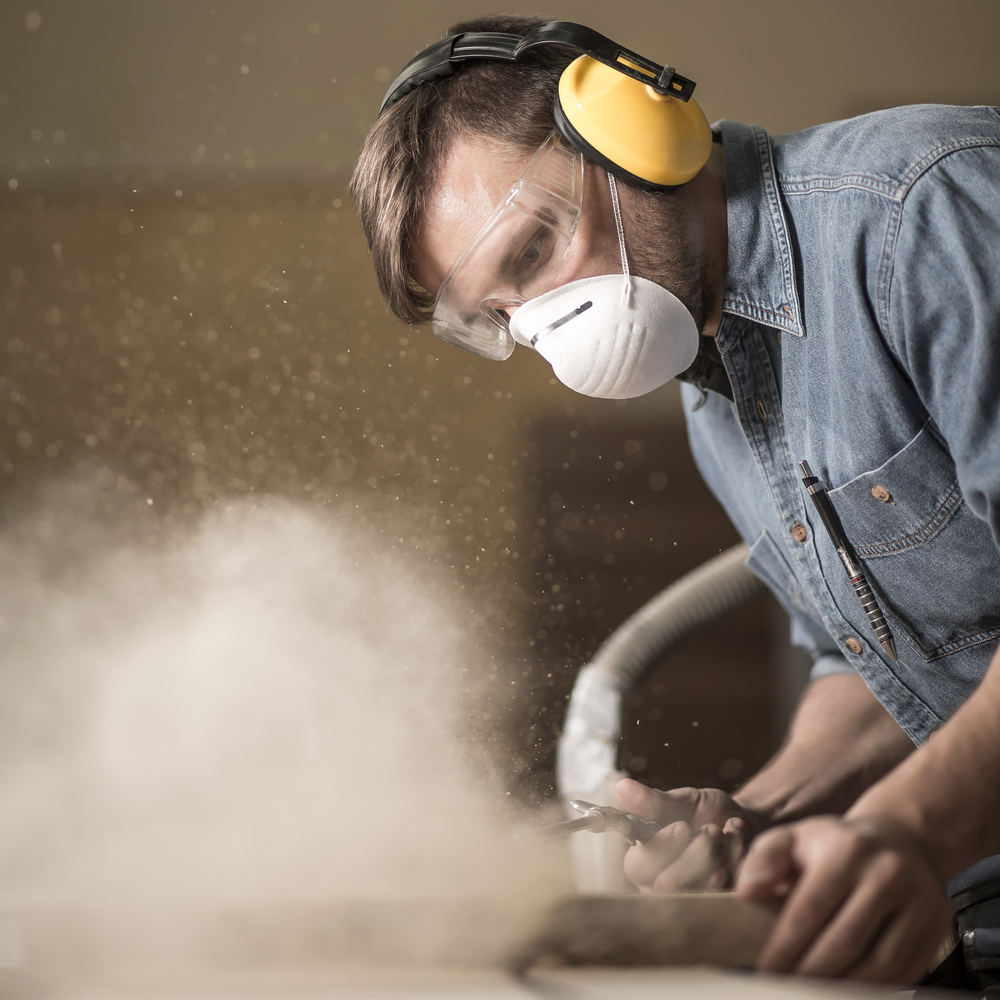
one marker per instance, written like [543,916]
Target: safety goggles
[516,256]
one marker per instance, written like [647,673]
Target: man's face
[474,176]
[663,243]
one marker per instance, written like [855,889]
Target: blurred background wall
[187,318]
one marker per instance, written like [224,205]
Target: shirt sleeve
[825,666]
[944,312]
[813,639]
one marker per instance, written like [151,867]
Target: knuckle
[892,867]
[687,794]
[769,843]
[853,846]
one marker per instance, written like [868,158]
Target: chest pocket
[933,563]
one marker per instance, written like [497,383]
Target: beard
[673,250]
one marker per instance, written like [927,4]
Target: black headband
[444,57]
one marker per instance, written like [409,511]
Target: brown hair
[506,102]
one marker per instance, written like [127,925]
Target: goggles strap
[627,289]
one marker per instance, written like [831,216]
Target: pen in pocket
[817,490]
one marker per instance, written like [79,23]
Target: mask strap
[621,239]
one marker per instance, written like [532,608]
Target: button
[881,493]
[854,646]
[799,532]
[761,411]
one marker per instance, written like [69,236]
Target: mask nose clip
[560,322]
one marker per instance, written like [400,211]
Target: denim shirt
[861,332]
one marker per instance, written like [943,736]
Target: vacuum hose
[587,750]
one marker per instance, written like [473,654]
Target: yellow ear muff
[657,139]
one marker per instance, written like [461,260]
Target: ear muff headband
[632,116]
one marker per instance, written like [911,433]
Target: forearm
[840,742]
[947,795]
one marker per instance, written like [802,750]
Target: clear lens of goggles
[516,256]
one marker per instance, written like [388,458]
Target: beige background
[150,83]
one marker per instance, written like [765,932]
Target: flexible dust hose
[587,749]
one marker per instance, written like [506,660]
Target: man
[833,297]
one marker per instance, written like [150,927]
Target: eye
[533,251]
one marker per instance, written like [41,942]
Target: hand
[705,833]
[863,902]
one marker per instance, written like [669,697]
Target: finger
[815,897]
[881,926]
[737,832]
[852,932]
[644,862]
[900,954]
[907,946]
[769,867]
[703,865]
[736,826]
[651,803]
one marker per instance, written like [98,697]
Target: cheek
[594,249]
[590,257]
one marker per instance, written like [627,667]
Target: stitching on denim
[940,517]
[761,314]
[928,655]
[861,476]
[791,589]
[886,268]
[946,648]
[779,224]
[906,184]
[882,186]
[915,716]
[932,157]
[762,441]
[893,188]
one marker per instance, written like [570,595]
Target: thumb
[769,868]
[650,803]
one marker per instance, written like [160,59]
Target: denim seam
[884,187]
[894,188]
[761,314]
[764,442]
[779,224]
[906,184]
[924,534]
[932,157]
[946,648]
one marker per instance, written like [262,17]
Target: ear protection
[633,117]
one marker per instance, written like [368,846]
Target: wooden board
[689,929]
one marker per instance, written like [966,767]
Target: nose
[500,312]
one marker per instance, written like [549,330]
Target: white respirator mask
[613,336]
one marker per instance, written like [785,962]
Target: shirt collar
[760,277]
[707,371]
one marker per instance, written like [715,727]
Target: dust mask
[613,336]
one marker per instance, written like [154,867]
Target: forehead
[474,175]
